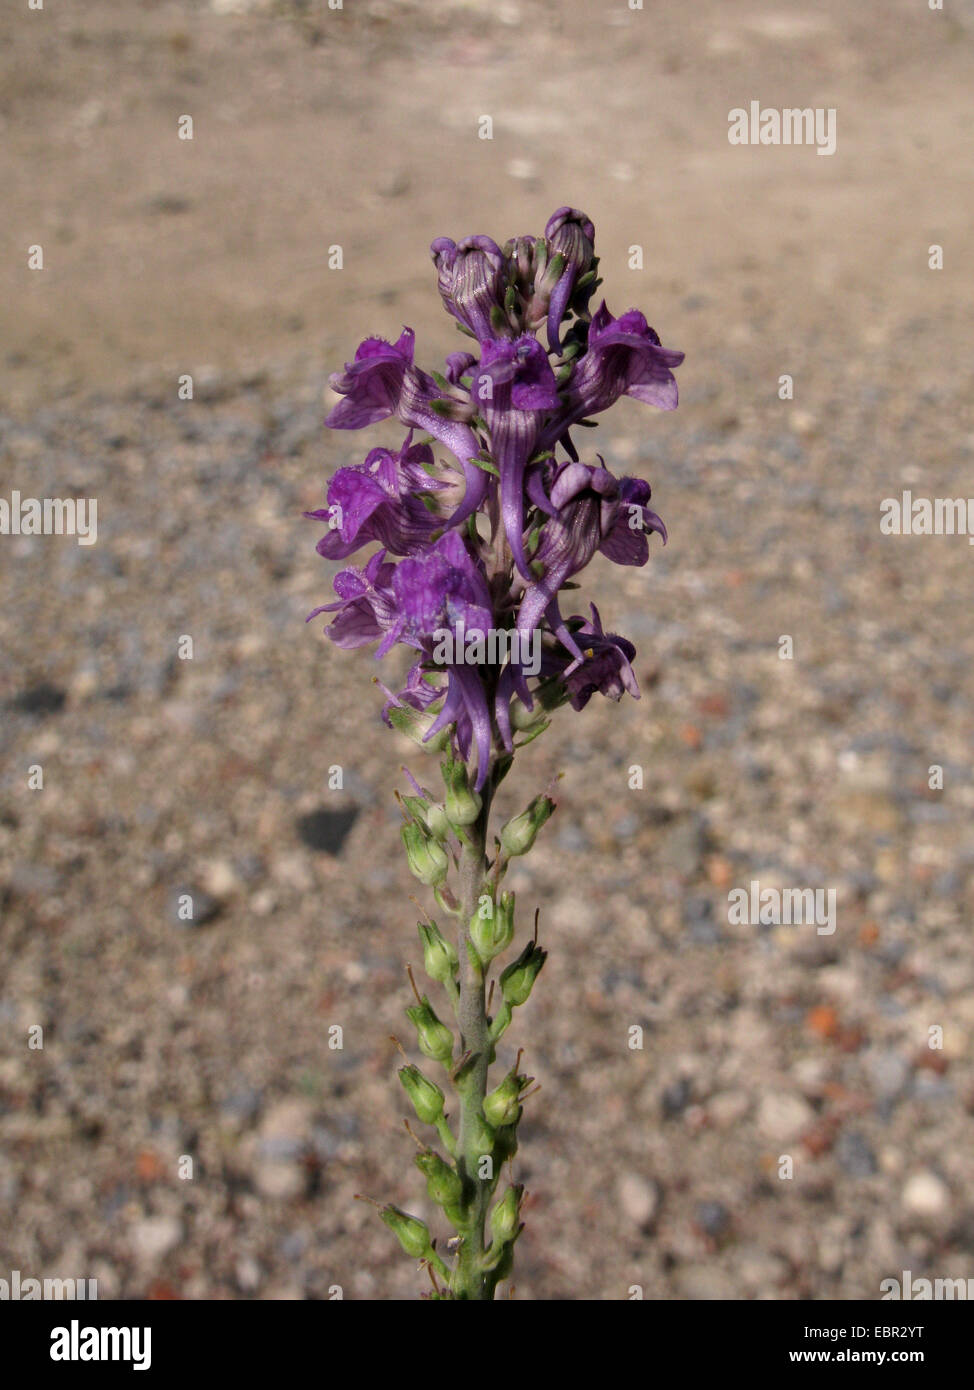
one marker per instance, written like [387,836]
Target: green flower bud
[427,859]
[437,822]
[414,1237]
[434,1037]
[518,979]
[440,958]
[462,804]
[483,1135]
[415,724]
[442,1183]
[505,1218]
[426,1096]
[503,1105]
[527,721]
[518,835]
[492,927]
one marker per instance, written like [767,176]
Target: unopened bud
[462,803]
[437,822]
[442,1182]
[526,720]
[440,959]
[414,1237]
[518,979]
[505,1218]
[492,932]
[502,1106]
[519,834]
[426,1096]
[433,1036]
[427,859]
[483,1136]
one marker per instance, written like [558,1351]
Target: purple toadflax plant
[480,527]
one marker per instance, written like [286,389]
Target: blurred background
[358,128]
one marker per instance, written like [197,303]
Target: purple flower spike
[514,388]
[474,553]
[472,278]
[571,235]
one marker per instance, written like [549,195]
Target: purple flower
[472,278]
[606,668]
[414,602]
[441,589]
[592,511]
[372,383]
[366,606]
[571,235]
[382,381]
[445,590]
[624,357]
[514,387]
[374,501]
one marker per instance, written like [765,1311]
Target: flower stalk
[481,529]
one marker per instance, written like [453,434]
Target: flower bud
[492,931]
[462,804]
[505,1218]
[519,834]
[427,859]
[502,1106]
[527,720]
[518,979]
[440,959]
[571,237]
[426,1096]
[442,1182]
[471,277]
[437,822]
[433,1036]
[414,1237]
[483,1136]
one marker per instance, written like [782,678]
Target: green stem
[468,1280]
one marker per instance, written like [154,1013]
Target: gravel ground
[165,1039]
